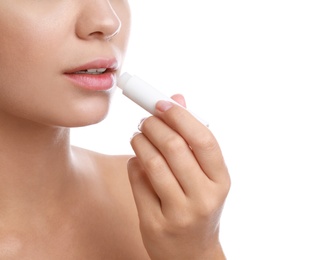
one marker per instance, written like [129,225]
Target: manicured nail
[163,105]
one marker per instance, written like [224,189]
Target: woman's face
[49,53]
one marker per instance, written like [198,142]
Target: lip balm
[144,94]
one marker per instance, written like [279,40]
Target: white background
[257,71]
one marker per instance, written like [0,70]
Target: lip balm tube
[144,94]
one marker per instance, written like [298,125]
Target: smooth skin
[58,201]
[180,181]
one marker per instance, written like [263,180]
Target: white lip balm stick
[144,94]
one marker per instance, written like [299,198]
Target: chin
[83,113]
[88,116]
[86,120]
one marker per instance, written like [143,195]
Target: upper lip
[109,64]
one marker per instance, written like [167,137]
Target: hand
[180,182]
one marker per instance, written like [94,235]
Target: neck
[35,163]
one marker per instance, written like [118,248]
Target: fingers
[179,180]
[145,197]
[155,168]
[174,152]
[203,143]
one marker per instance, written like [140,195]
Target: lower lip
[96,82]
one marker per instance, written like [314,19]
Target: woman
[59,63]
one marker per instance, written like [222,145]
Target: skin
[63,202]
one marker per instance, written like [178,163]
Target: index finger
[201,140]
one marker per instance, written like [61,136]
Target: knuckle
[151,226]
[210,203]
[180,224]
[206,142]
[154,163]
[175,144]
[207,207]
[227,185]
[225,181]
[177,114]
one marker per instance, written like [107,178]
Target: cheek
[31,85]
[28,54]
[23,56]
[23,68]
[30,37]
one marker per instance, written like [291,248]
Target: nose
[97,20]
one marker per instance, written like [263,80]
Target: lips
[96,75]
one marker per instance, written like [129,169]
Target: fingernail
[140,123]
[134,134]
[163,105]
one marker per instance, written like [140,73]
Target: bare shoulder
[112,168]
[117,199]
[110,171]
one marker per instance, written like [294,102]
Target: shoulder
[111,169]
[111,177]
[112,164]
